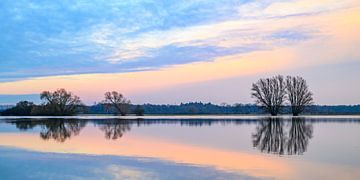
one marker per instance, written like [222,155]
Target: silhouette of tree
[117,101]
[270,93]
[115,129]
[298,94]
[299,135]
[22,108]
[270,136]
[60,102]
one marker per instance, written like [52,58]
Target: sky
[168,52]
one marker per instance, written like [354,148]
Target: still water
[194,147]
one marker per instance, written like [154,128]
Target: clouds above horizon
[79,37]
[150,49]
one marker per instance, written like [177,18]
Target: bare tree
[270,93]
[60,102]
[117,101]
[298,94]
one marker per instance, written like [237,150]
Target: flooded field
[180,147]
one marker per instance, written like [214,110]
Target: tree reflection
[60,130]
[115,129]
[25,125]
[299,135]
[271,136]
[57,129]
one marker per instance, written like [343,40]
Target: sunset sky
[171,51]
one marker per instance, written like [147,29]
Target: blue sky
[43,38]
[49,44]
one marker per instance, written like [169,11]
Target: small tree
[298,93]
[270,93]
[22,108]
[60,102]
[117,101]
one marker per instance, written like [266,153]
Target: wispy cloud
[67,37]
[281,8]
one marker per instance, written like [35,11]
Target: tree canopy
[298,94]
[117,101]
[60,102]
[270,93]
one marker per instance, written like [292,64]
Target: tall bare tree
[117,101]
[60,102]
[298,94]
[270,93]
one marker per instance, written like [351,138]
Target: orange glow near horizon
[132,83]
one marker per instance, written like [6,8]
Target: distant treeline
[199,108]
[4,107]
[209,108]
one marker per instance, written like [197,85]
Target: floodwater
[180,147]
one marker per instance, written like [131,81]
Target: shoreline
[181,117]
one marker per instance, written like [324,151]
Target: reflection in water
[193,122]
[115,129]
[271,137]
[299,135]
[25,125]
[62,129]
[225,146]
[57,129]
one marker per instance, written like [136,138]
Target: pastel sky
[171,51]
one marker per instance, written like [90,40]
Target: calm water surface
[208,147]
